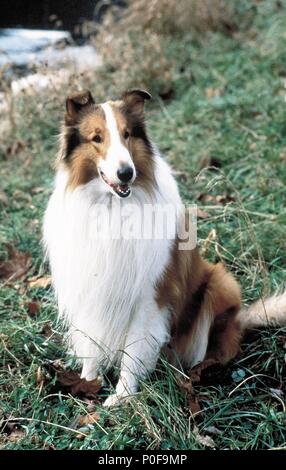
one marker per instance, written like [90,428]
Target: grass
[231,112]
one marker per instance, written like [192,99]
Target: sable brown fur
[192,286]
[84,119]
[204,299]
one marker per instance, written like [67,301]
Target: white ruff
[101,283]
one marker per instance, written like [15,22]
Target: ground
[224,134]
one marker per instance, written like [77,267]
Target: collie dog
[123,300]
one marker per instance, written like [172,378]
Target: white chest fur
[100,281]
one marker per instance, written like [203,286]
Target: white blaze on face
[117,154]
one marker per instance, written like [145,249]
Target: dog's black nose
[125,173]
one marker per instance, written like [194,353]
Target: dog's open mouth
[121,190]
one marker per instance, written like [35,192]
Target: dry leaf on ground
[90,418]
[82,423]
[46,331]
[219,199]
[40,282]
[16,435]
[69,381]
[12,430]
[194,405]
[192,399]
[17,265]
[32,308]
[186,385]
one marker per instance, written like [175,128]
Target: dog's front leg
[148,332]
[89,352]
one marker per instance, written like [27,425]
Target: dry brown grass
[135,43]
[178,17]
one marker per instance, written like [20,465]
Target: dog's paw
[113,400]
[116,400]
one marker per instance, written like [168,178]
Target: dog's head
[107,141]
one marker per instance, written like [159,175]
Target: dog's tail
[267,312]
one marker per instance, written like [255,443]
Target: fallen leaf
[39,282]
[192,400]
[16,435]
[219,199]
[83,422]
[194,405]
[186,384]
[69,381]
[33,308]
[206,441]
[90,418]
[17,265]
[201,214]
[10,427]
[46,330]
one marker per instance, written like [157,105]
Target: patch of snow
[18,45]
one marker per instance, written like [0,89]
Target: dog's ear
[135,99]
[76,103]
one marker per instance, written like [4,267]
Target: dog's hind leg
[148,332]
[214,333]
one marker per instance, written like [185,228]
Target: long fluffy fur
[123,300]
[264,312]
[98,282]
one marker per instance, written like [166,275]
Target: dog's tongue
[123,187]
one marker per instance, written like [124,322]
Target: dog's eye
[126,135]
[97,138]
